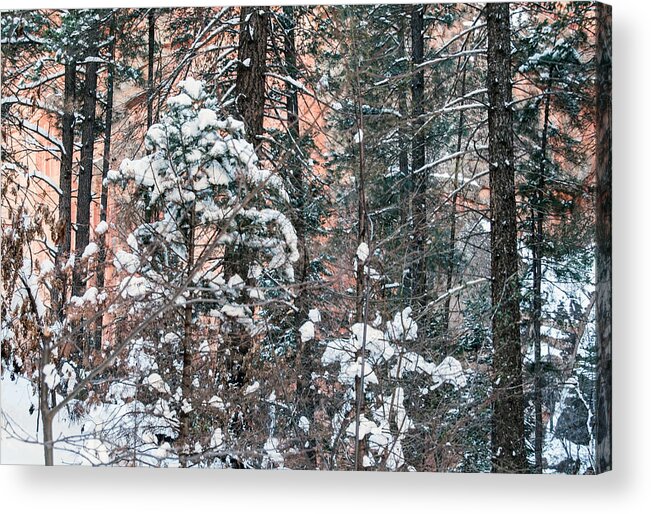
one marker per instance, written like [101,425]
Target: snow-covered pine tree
[202,176]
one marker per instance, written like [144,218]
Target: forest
[337,237]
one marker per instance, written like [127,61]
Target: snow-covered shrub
[378,360]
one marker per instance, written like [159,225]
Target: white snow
[304,424]
[101,228]
[90,250]
[156,381]
[314,315]
[216,402]
[307,331]
[51,376]
[362,252]
[252,388]
[233,311]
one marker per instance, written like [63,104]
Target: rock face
[573,421]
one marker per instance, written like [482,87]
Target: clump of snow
[70,263]
[156,381]
[216,402]
[403,327]
[304,424]
[314,315]
[91,295]
[307,331]
[90,250]
[273,456]
[362,252]
[193,88]
[126,261]
[252,388]
[101,228]
[449,372]
[186,406]
[51,376]
[233,311]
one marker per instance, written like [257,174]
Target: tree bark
[508,415]
[84,190]
[250,80]
[65,183]
[603,429]
[151,45]
[106,164]
[418,265]
[187,351]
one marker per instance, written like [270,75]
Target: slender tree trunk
[46,416]
[418,266]
[250,80]
[537,222]
[403,155]
[84,190]
[188,352]
[151,45]
[106,164]
[508,408]
[65,182]
[65,178]
[604,240]
[361,281]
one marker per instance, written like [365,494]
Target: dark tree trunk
[604,240]
[84,190]
[418,264]
[508,415]
[403,155]
[250,81]
[65,179]
[151,45]
[65,182]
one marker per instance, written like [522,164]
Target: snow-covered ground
[91,437]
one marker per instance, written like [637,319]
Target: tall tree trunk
[151,45]
[404,141]
[508,415]
[84,190]
[537,222]
[418,265]
[604,239]
[250,80]
[361,279]
[65,182]
[106,164]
